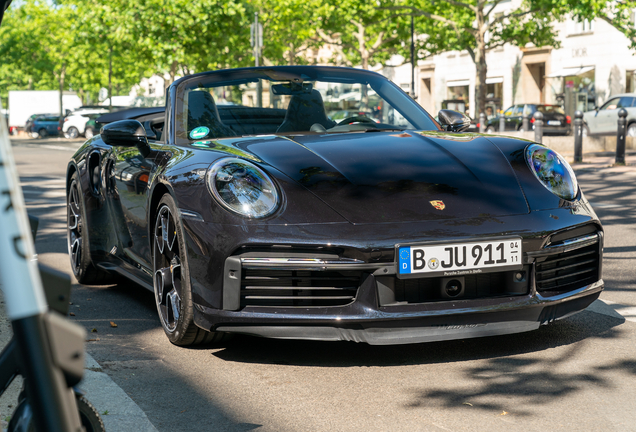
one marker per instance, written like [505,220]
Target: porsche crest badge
[438,204]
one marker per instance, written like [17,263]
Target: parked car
[75,123]
[44,125]
[555,121]
[604,120]
[28,127]
[276,221]
[339,116]
[92,126]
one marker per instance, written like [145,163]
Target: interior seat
[202,111]
[305,110]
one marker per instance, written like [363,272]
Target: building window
[457,97]
[581,27]
[630,81]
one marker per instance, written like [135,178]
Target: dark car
[92,126]
[339,116]
[275,221]
[555,121]
[44,125]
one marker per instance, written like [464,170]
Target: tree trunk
[60,80]
[110,79]
[173,71]
[480,64]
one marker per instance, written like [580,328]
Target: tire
[72,132]
[585,132]
[490,130]
[171,280]
[89,416]
[42,133]
[77,239]
[631,130]
[88,133]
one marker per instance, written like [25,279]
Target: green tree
[289,29]
[472,25]
[34,41]
[182,37]
[362,33]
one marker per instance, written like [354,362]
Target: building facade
[593,62]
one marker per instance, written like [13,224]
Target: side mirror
[453,121]
[124,133]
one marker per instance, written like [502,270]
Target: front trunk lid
[392,177]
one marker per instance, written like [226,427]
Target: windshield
[294,100]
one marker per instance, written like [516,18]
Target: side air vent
[94,173]
[298,288]
[569,270]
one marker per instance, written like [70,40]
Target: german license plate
[554,123]
[454,259]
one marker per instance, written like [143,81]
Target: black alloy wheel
[42,133]
[77,238]
[172,281]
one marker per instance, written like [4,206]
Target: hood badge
[438,204]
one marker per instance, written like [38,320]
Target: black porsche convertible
[246,209]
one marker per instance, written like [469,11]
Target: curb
[124,414]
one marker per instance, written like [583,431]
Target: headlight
[243,188]
[552,171]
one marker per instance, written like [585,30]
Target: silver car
[604,120]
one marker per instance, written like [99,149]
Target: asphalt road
[578,374]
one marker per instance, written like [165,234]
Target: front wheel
[22,418]
[173,295]
[42,133]
[78,244]
[89,416]
[88,133]
[631,130]
[490,130]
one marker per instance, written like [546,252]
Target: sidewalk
[601,160]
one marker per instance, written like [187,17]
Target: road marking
[613,309]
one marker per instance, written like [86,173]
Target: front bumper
[378,315]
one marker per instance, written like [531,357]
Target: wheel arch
[158,191]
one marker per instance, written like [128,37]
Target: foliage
[289,29]
[363,33]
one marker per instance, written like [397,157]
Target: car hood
[390,177]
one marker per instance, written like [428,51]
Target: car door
[516,118]
[507,117]
[606,119]
[52,124]
[128,172]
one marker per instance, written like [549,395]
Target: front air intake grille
[568,271]
[298,288]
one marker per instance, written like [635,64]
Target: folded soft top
[131,113]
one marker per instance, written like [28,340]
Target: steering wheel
[356,119]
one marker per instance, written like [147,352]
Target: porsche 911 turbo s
[245,209]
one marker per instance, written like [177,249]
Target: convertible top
[131,113]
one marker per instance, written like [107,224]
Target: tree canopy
[86,45]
